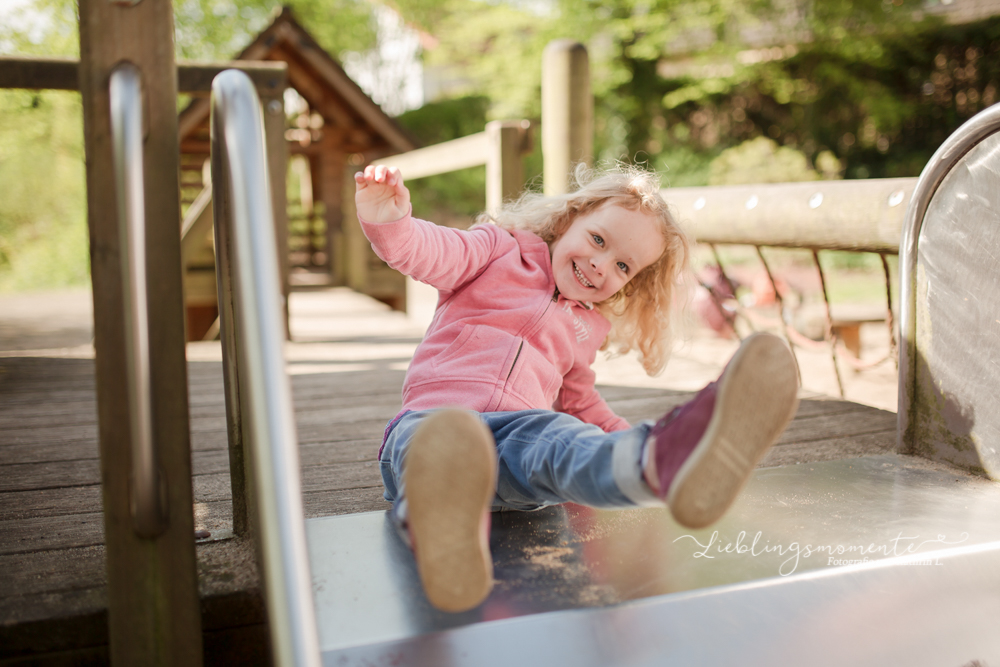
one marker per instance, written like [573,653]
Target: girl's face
[602,250]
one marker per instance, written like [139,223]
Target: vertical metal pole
[781,311]
[567,113]
[154,614]
[722,271]
[829,324]
[719,301]
[239,169]
[149,515]
[890,320]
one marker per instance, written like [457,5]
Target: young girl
[499,404]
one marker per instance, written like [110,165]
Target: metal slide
[869,561]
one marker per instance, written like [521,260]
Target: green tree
[878,84]
[218,29]
[43,231]
[456,197]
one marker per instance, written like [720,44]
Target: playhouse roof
[324,84]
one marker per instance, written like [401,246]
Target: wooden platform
[52,590]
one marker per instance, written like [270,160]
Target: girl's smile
[580,276]
[602,250]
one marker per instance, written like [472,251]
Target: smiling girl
[500,410]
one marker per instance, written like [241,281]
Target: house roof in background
[322,81]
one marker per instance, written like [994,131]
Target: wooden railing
[500,147]
[192,77]
[855,215]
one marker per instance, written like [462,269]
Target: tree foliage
[218,29]
[877,84]
[450,199]
[873,86]
[43,232]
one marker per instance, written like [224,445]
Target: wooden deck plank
[831,449]
[48,502]
[48,533]
[826,427]
[28,466]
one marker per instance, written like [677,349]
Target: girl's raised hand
[380,195]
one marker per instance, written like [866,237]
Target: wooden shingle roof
[324,84]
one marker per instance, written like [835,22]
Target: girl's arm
[380,195]
[440,256]
[579,397]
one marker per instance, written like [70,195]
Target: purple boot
[700,454]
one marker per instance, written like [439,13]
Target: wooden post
[154,615]
[328,187]
[277,158]
[504,166]
[567,113]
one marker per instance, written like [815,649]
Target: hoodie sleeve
[579,397]
[443,257]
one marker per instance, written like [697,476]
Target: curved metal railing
[961,141]
[244,221]
[148,498]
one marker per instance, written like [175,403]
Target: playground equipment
[948,367]
[337,127]
[563,596]
[894,520]
[258,395]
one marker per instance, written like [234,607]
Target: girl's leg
[547,458]
[697,458]
[700,455]
[439,468]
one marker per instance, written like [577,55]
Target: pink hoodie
[498,340]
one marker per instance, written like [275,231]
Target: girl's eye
[623,266]
[597,239]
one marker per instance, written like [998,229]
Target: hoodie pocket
[479,352]
[533,377]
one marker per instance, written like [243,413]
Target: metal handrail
[242,205]
[961,141]
[148,498]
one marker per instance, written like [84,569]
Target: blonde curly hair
[640,312]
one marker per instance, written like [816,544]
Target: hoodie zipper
[516,357]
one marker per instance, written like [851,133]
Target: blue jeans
[545,458]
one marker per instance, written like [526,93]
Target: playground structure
[152,583]
[342,128]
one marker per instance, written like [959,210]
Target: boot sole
[450,479]
[757,397]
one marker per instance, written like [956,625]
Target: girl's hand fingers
[393,177]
